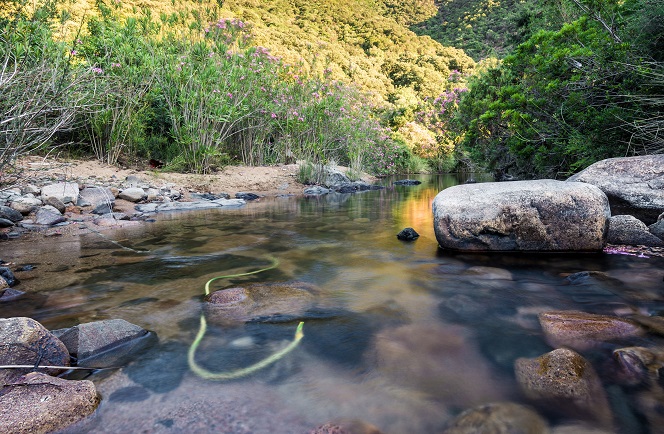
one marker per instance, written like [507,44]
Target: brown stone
[582,331]
[498,418]
[564,382]
[38,403]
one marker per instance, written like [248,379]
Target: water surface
[400,335]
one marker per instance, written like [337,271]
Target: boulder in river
[582,331]
[634,185]
[564,382]
[38,403]
[27,342]
[627,229]
[498,418]
[544,215]
[104,343]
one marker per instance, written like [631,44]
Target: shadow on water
[392,329]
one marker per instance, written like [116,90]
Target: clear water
[400,335]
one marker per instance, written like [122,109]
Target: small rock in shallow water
[408,234]
[564,382]
[8,276]
[407,182]
[498,418]
[246,196]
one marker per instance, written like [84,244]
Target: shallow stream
[399,335]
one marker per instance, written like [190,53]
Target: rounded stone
[498,418]
[543,215]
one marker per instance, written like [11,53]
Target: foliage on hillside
[567,98]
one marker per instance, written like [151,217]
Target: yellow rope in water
[231,375]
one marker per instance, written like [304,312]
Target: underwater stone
[498,418]
[408,234]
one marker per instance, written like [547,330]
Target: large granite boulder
[64,191]
[544,215]
[27,342]
[563,382]
[634,185]
[38,403]
[627,229]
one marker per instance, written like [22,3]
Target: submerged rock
[259,300]
[498,418]
[582,331]
[346,427]
[38,403]
[544,215]
[634,185]
[564,382]
[27,342]
[441,361]
[407,182]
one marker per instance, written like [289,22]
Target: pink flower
[273,115]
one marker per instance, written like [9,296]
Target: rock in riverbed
[564,382]
[544,215]
[498,418]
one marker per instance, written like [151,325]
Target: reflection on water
[400,335]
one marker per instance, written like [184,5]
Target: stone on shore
[26,342]
[48,217]
[627,229]
[64,191]
[38,403]
[133,194]
[10,214]
[582,331]
[498,418]
[565,383]
[25,204]
[96,196]
[114,339]
[544,215]
[634,185]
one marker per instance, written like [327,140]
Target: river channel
[401,335]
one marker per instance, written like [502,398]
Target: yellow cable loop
[231,375]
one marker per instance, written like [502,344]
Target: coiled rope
[243,372]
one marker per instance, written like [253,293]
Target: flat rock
[316,190]
[26,342]
[10,294]
[89,341]
[38,403]
[544,215]
[64,191]
[634,185]
[407,182]
[259,300]
[230,202]
[498,418]
[133,194]
[582,331]
[564,382]
[10,214]
[627,229]
[246,196]
[346,427]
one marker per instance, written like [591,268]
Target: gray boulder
[627,229]
[544,215]
[657,228]
[133,194]
[25,204]
[96,196]
[4,223]
[113,339]
[564,382]
[38,403]
[26,342]
[316,190]
[65,191]
[48,217]
[55,203]
[634,185]
[10,214]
